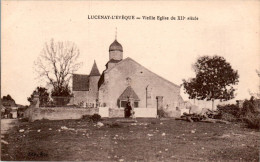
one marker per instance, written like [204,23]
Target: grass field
[148,139]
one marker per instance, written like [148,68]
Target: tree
[214,80]
[256,94]
[43,96]
[8,101]
[56,63]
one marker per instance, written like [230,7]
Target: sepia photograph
[130,80]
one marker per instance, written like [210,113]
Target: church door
[159,102]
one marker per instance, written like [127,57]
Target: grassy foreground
[148,139]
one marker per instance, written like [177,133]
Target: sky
[168,47]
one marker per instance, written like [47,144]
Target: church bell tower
[115,51]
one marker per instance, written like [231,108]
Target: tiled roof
[94,70]
[80,82]
[129,93]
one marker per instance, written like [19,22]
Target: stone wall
[115,113]
[145,112]
[57,113]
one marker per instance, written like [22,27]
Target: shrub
[250,106]
[94,118]
[24,120]
[231,109]
[115,125]
[161,113]
[252,120]
[229,117]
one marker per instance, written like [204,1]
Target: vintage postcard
[130,80]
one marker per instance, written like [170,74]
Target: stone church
[124,80]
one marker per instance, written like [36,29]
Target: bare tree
[56,63]
[256,94]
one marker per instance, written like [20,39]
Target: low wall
[61,113]
[103,112]
[58,113]
[117,113]
[145,112]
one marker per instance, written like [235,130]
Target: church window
[123,103]
[128,81]
[136,104]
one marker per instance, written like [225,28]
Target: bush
[94,118]
[229,117]
[252,120]
[24,120]
[250,106]
[115,125]
[229,109]
[161,113]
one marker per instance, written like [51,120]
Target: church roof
[80,82]
[94,71]
[128,58]
[115,46]
[129,93]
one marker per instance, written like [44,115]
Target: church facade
[125,80]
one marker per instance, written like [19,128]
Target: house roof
[129,93]
[94,71]
[80,82]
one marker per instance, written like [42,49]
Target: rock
[4,142]
[163,134]
[50,129]
[99,124]
[121,159]
[38,130]
[193,131]
[64,127]
[161,123]
[21,130]
[166,149]
[149,135]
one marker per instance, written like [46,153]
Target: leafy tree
[8,101]
[8,98]
[61,91]
[43,96]
[56,63]
[214,80]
